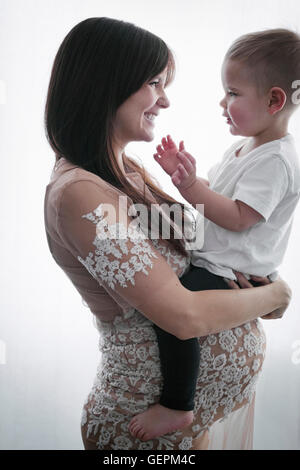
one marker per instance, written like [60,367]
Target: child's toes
[146,437]
[131,427]
[136,430]
[134,420]
[141,435]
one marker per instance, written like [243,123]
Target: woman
[107,86]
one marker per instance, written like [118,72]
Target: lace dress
[113,274]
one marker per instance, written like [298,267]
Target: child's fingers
[176,179]
[190,157]
[171,142]
[182,170]
[160,150]
[158,159]
[185,162]
[165,143]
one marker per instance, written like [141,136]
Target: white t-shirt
[268,180]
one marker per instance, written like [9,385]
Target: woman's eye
[154,83]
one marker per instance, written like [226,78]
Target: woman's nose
[163,101]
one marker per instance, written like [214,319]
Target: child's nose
[223,102]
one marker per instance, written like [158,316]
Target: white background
[48,343]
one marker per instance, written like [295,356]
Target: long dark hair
[100,63]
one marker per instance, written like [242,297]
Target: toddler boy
[249,201]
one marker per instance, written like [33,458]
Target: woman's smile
[150,118]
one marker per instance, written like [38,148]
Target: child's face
[246,111]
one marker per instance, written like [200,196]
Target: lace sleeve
[95,227]
[118,254]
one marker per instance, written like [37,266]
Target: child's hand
[185,174]
[166,155]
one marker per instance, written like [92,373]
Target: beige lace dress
[113,274]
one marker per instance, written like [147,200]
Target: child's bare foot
[158,421]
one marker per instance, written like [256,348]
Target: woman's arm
[95,227]
[188,314]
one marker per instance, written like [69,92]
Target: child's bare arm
[248,215]
[223,211]
[204,181]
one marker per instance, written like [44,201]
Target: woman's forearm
[188,314]
[218,310]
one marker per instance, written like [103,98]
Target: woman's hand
[281,288]
[285,294]
[243,283]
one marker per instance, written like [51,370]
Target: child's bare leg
[158,421]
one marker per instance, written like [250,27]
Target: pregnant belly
[129,381]
[230,365]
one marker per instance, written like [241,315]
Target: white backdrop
[48,344]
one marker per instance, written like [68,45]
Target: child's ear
[277,100]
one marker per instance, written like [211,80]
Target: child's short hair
[273,59]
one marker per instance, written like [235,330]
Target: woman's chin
[147,137]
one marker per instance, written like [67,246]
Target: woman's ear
[277,100]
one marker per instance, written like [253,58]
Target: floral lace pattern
[112,240]
[129,377]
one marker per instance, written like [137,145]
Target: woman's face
[135,118]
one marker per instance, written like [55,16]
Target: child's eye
[231,93]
